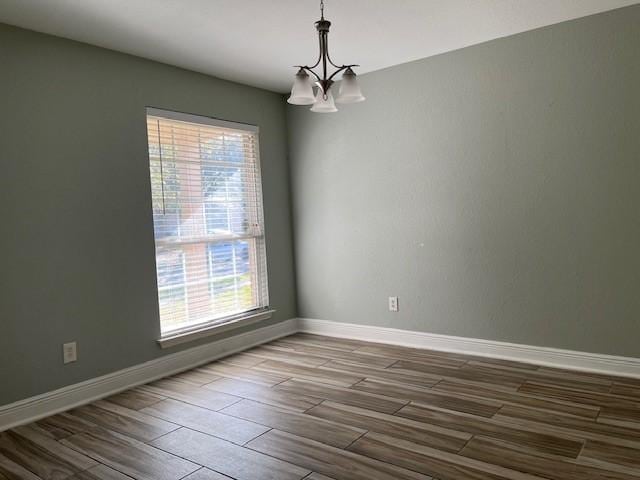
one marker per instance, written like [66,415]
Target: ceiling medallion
[323,101]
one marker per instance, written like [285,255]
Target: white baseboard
[552,357]
[50,403]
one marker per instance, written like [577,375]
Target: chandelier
[323,101]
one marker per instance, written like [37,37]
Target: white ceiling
[257,41]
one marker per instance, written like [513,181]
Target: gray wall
[77,239]
[494,189]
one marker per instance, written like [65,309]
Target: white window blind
[208,220]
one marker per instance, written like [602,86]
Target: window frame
[218,325]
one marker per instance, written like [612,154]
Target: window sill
[177,338]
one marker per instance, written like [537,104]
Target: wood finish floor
[319,408]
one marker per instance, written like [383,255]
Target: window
[207,218]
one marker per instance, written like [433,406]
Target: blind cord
[164,212]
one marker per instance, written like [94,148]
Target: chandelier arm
[329,56]
[310,70]
[340,69]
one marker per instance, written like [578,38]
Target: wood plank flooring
[319,408]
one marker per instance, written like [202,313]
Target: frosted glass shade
[322,104]
[349,89]
[302,90]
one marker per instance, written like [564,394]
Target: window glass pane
[231,278]
[224,200]
[171,289]
[165,187]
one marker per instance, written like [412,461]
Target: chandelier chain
[322,9]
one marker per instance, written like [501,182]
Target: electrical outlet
[69,352]
[393,304]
